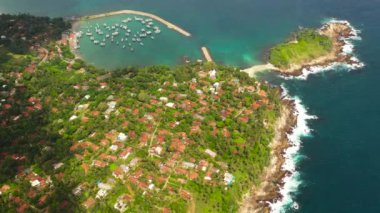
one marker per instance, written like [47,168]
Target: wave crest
[292,181]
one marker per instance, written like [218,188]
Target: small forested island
[191,138]
[309,47]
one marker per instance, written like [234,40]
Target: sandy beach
[270,180]
[134,12]
[251,71]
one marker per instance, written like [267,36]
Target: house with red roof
[90,202]
[118,173]
[98,163]
[185,194]
[125,153]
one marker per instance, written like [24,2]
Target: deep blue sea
[338,163]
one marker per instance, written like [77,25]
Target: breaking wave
[292,181]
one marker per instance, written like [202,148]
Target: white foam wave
[292,156]
[348,49]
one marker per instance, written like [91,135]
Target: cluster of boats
[120,33]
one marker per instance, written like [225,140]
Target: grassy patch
[306,45]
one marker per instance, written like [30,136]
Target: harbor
[140,13]
[129,33]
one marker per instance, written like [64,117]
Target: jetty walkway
[207,54]
[134,12]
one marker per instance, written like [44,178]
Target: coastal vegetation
[303,47]
[153,139]
[19,32]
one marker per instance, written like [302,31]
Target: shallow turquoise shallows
[340,170]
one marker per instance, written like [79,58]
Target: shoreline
[140,13]
[340,32]
[260,196]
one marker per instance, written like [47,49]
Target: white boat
[103,44]
[89,34]
[108,35]
[132,49]
[123,46]
[96,42]
[92,38]
[141,43]
[115,33]
[152,37]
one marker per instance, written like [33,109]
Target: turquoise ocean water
[338,165]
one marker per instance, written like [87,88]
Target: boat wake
[348,49]
[292,181]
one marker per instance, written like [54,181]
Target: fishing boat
[89,34]
[131,49]
[92,38]
[102,44]
[141,43]
[152,37]
[123,46]
[96,42]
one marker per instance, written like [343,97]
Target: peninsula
[194,138]
[309,47]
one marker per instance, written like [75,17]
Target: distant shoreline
[135,12]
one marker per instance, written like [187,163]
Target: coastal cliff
[271,179]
